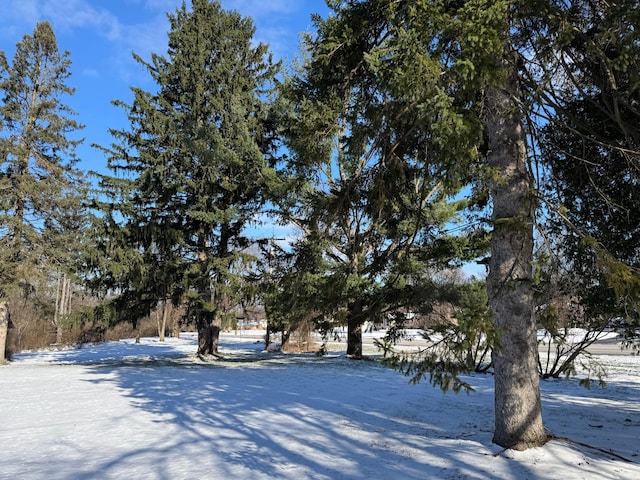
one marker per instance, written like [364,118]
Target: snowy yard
[153,411]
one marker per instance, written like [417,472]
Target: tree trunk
[286,337]
[215,337]
[208,340]
[354,330]
[59,334]
[208,317]
[4,330]
[518,411]
[162,312]
[66,305]
[56,312]
[176,329]
[205,340]
[63,303]
[165,316]
[267,338]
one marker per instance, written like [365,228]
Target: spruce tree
[194,165]
[456,65]
[373,207]
[595,219]
[37,153]
[591,144]
[502,63]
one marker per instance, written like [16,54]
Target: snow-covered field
[154,411]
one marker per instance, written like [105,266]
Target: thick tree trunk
[205,340]
[354,330]
[215,339]
[518,411]
[208,320]
[208,340]
[4,330]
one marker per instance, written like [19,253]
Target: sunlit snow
[153,410]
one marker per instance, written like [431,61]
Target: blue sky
[100,36]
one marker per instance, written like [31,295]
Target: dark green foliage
[382,155]
[456,346]
[592,147]
[590,54]
[442,372]
[194,166]
[38,181]
[41,191]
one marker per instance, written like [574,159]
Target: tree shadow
[607,419]
[283,416]
[295,416]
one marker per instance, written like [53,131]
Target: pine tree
[194,165]
[65,234]
[372,202]
[37,152]
[591,144]
[505,63]
[597,221]
[456,64]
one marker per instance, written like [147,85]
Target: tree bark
[162,313]
[267,338]
[205,340]
[518,410]
[176,329]
[60,310]
[4,330]
[56,312]
[208,320]
[208,340]
[63,303]
[354,330]
[286,337]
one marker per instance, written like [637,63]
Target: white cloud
[64,15]
[26,11]
[69,15]
[146,31]
[278,22]
[146,38]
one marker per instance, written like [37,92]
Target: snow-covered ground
[154,411]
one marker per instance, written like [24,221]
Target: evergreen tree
[597,222]
[498,63]
[66,236]
[456,64]
[195,166]
[373,202]
[591,144]
[460,337]
[38,175]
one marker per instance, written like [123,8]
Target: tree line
[409,137]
